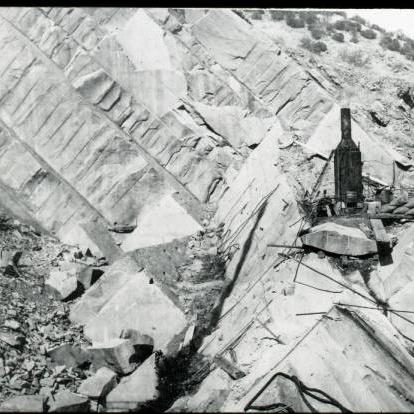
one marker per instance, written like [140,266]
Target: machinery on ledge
[348,167]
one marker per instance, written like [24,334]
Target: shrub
[295,22]
[310,18]
[356,57]
[368,34]
[340,13]
[387,42]
[317,33]
[339,25]
[376,27]
[359,19]
[306,43]
[256,14]
[347,25]
[315,47]
[339,37]
[319,47]
[408,50]
[277,14]
[354,37]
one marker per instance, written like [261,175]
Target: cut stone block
[123,298]
[136,389]
[338,239]
[66,401]
[24,403]
[99,384]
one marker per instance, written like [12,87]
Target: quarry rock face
[123,298]
[178,123]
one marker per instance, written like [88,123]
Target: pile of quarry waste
[48,364]
[34,325]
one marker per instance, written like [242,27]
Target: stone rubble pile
[46,363]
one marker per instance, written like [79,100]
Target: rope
[243,224]
[317,288]
[304,392]
[235,203]
[334,280]
[273,264]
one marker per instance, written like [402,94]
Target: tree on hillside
[295,21]
[408,49]
[277,14]
[387,42]
[315,47]
[354,36]
[256,14]
[339,37]
[376,27]
[359,19]
[310,18]
[316,32]
[368,34]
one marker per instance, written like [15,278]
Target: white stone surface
[123,298]
[136,389]
[161,223]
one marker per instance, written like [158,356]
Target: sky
[389,19]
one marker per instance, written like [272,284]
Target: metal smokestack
[346,124]
[348,165]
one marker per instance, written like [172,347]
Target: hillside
[154,155]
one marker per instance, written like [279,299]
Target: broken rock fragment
[143,344]
[68,355]
[88,276]
[99,384]
[12,339]
[66,401]
[136,389]
[116,354]
[24,403]
[63,284]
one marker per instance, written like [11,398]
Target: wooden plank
[379,231]
[228,367]
[390,216]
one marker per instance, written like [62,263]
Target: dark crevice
[406,96]
[215,314]
[378,120]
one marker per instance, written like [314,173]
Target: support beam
[391,216]
[229,367]
[379,231]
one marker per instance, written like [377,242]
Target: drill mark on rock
[60,126]
[75,133]
[55,108]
